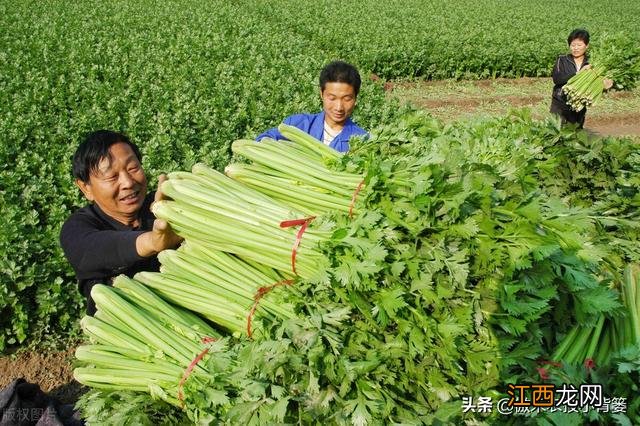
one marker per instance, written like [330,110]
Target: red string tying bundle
[261,292]
[296,222]
[543,372]
[191,366]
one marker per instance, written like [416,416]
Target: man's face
[338,101]
[119,185]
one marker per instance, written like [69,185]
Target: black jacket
[563,70]
[100,248]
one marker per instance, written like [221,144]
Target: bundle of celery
[219,286]
[609,336]
[219,213]
[140,342]
[616,57]
[448,279]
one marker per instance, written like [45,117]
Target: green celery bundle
[617,57]
[139,342]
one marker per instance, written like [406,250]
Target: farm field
[618,114]
[185,79]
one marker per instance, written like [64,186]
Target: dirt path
[53,371]
[617,114]
[623,124]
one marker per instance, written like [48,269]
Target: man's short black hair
[579,33]
[94,148]
[340,72]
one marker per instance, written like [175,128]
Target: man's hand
[161,237]
[607,83]
[159,195]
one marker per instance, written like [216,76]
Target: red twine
[353,199]
[191,366]
[261,292]
[589,364]
[296,222]
[543,372]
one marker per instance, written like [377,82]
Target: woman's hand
[586,67]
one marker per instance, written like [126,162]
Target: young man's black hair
[340,72]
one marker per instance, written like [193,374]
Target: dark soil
[53,371]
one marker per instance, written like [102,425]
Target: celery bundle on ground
[139,342]
[615,56]
[457,262]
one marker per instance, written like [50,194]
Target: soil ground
[53,371]
[618,114]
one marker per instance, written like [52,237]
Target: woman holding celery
[567,66]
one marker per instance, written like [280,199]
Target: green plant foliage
[461,273]
[444,39]
[185,79]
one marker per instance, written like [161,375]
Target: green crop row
[454,39]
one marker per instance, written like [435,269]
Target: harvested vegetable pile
[429,264]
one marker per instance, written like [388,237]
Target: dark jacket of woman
[563,70]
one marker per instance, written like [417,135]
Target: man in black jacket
[117,233]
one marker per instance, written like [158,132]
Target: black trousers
[567,115]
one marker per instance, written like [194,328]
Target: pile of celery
[139,342]
[236,250]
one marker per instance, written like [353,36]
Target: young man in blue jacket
[339,87]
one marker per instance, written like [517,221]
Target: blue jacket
[313,124]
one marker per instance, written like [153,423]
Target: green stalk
[630,285]
[95,356]
[263,173]
[234,188]
[237,268]
[190,192]
[106,333]
[190,286]
[604,348]
[240,292]
[153,303]
[173,345]
[575,352]
[309,142]
[228,231]
[561,350]
[595,338]
[229,319]
[265,154]
[310,200]
[580,345]
[124,377]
